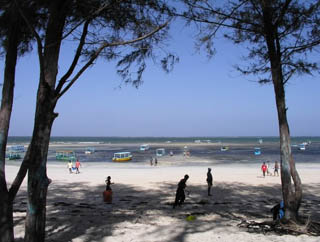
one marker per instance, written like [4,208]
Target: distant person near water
[155,161]
[70,166]
[77,166]
[151,161]
[268,169]
[276,168]
[209,181]
[180,195]
[264,169]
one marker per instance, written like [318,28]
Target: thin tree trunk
[6,211]
[38,181]
[292,193]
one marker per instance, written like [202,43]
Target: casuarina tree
[280,36]
[127,31]
[15,41]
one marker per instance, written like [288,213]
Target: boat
[122,156]
[160,152]
[65,155]
[144,147]
[257,151]
[302,146]
[14,155]
[224,148]
[89,150]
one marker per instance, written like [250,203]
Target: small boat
[302,146]
[89,150]
[144,147]
[160,152]
[224,148]
[65,155]
[122,156]
[257,151]
[14,155]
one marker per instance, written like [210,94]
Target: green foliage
[294,27]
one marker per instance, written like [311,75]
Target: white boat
[89,151]
[160,152]
[144,147]
[224,148]
[302,146]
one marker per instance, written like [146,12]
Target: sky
[200,97]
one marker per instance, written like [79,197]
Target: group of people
[155,161]
[265,168]
[76,167]
[180,193]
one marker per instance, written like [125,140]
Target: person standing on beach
[77,166]
[264,169]
[155,161]
[151,161]
[209,181]
[108,183]
[180,196]
[70,166]
[276,168]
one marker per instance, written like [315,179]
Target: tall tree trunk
[38,181]
[292,193]
[44,117]
[6,203]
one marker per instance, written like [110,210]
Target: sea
[241,149]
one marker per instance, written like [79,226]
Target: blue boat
[257,151]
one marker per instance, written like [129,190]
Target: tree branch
[63,80]
[101,48]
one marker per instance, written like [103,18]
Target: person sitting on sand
[276,168]
[264,169]
[180,196]
[209,181]
[70,166]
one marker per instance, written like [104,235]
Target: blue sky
[200,97]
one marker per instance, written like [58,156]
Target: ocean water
[241,148]
[118,140]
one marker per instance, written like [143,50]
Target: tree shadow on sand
[77,211]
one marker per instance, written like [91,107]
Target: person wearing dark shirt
[108,183]
[209,181]
[180,195]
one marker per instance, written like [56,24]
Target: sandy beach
[143,195]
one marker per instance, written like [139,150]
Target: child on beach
[180,196]
[77,166]
[70,166]
[209,181]
[264,169]
[276,168]
[107,194]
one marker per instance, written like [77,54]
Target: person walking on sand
[180,195]
[276,168]
[77,166]
[209,181]
[264,169]
[70,166]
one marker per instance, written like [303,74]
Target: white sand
[142,202]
